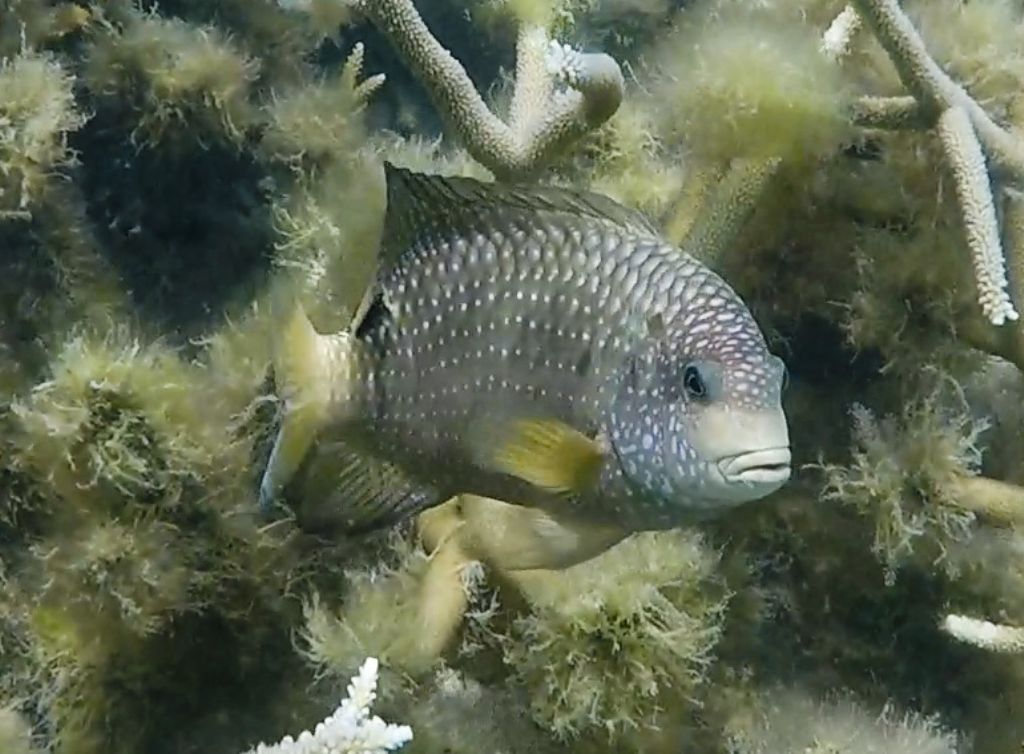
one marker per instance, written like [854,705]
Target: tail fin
[314,373]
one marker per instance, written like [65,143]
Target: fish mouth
[768,466]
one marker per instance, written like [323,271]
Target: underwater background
[169,171]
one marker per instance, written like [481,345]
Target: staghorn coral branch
[681,215]
[931,86]
[560,94]
[1000,502]
[839,36]
[349,729]
[890,113]
[963,127]
[444,596]
[916,68]
[533,83]
[352,71]
[1013,229]
[1006,343]
[984,634]
[978,207]
[728,206]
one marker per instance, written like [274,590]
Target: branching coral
[560,93]
[742,93]
[965,128]
[381,604]
[600,648]
[317,131]
[139,550]
[747,149]
[316,125]
[739,81]
[984,634]
[133,570]
[114,424]
[349,729]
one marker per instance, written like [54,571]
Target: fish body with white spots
[542,346]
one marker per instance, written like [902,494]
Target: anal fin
[367,494]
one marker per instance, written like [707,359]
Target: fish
[541,346]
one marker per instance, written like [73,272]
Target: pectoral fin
[547,453]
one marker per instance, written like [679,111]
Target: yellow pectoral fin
[548,454]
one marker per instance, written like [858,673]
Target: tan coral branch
[728,207]
[889,113]
[682,213]
[984,634]
[560,93]
[930,85]
[968,135]
[998,501]
[974,195]
[838,38]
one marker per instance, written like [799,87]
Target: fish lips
[765,467]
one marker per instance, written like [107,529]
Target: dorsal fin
[418,203]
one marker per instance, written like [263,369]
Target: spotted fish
[541,346]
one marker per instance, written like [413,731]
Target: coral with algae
[15,734]
[37,112]
[599,651]
[610,643]
[909,474]
[747,81]
[172,80]
[788,720]
[139,549]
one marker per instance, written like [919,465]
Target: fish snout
[762,467]
[747,452]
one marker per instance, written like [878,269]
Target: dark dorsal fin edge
[420,202]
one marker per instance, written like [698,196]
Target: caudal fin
[315,376]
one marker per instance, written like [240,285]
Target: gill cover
[638,424]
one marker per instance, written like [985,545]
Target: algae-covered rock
[15,736]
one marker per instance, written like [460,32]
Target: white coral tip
[984,634]
[349,729]
[835,43]
[564,63]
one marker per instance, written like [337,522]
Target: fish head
[702,428]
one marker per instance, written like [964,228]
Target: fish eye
[693,381]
